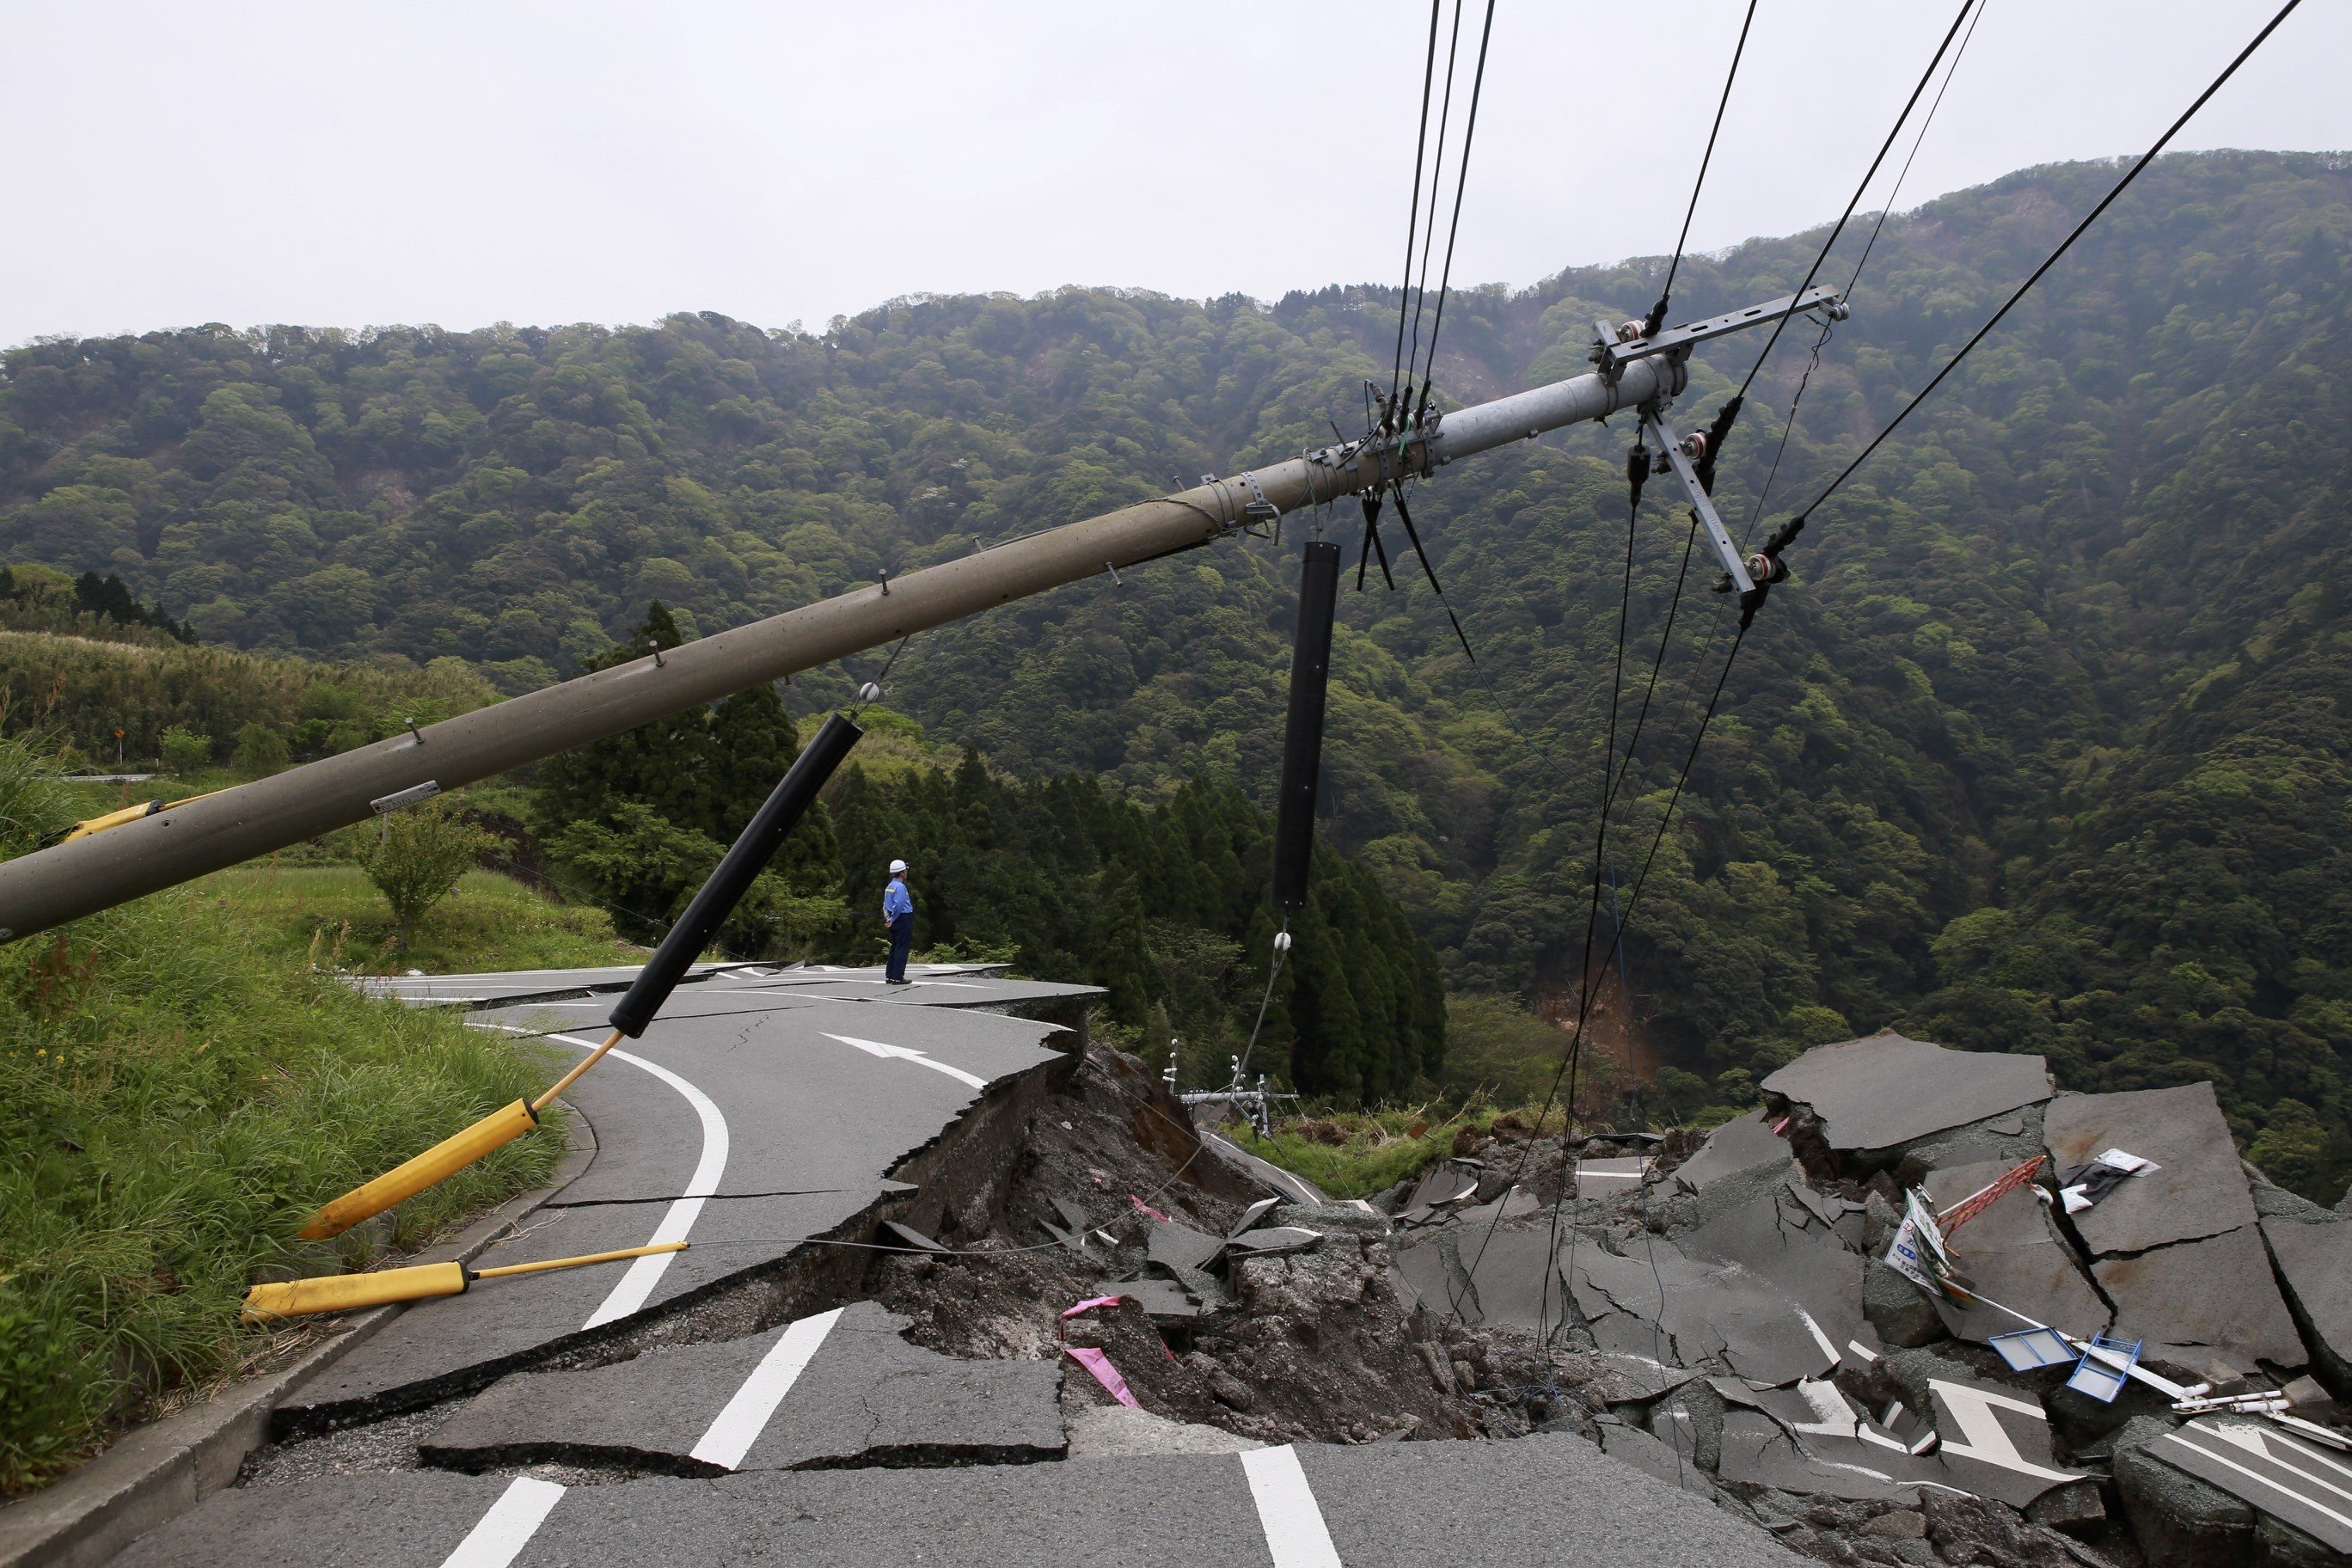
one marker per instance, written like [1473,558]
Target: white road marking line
[748,1414]
[1820,1338]
[876,1048]
[508,1527]
[646,1273]
[2254,1475]
[1287,1511]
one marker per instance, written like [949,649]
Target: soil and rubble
[1712,1310]
[1720,1314]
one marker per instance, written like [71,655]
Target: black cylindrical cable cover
[749,856]
[1302,745]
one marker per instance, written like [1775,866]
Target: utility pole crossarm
[1679,459]
[1615,350]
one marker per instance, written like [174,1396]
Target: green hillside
[2045,748]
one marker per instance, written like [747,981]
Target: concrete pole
[69,881]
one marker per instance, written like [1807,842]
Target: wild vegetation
[177,1093]
[2045,748]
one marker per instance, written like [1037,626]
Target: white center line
[876,1048]
[644,1274]
[1286,1509]
[508,1527]
[747,1414]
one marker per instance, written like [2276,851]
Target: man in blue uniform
[898,915]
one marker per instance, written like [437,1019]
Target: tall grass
[493,921]
[176,1095]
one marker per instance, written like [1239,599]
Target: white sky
[355,164]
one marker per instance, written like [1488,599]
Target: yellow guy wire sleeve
[403,1181]
[129,814]
[445,1158]
[343,1293]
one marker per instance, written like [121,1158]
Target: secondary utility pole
[164,847]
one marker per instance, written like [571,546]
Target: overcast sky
[463,163]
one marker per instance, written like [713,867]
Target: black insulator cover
[1302,745]
[744,860]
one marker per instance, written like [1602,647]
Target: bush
[185,751]
[261,750]
[415,857]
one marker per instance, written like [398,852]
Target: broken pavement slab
[1548,1497]
[2196,1302]
[2264,1470]
[723,1127]
[2315,1262]
[1743,1143]
[2198,1188]
[1884,1091]
[2012,1252]
[861,1394]
[1791,1247]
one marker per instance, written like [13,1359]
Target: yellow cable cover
[450,1156]
[343,1293]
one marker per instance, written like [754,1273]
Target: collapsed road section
[1922,1306]
[958,1287]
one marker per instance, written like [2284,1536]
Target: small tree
[185,750]
[261,750]
[416,857]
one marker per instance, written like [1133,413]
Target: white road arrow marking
[876,1048]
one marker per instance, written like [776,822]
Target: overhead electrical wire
[1658,311]
[1820,340]
[1436,178]
[1871,173]
[1588,989]
[1413,219]
[1461,183]
[2050,261]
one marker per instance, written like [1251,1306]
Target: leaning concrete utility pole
[99,869]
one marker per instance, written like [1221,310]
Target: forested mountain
[2044,748]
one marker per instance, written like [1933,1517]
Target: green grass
[334,914]
[178,1090]
[1353,1155]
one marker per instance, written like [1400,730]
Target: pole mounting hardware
[1616,349]
[1676,454]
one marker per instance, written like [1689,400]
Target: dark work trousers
[902,939]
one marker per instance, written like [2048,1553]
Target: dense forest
[2046,747]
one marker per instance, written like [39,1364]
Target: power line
[1419,149]
[1871,173]
[1916,142]
[2052,260]
[1821,339]
[1658,311]
[1436,175]
[1461,183]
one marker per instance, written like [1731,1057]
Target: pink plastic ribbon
[1142,1207]
[1094,1361]
[1090,1303]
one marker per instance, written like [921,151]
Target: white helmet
[897,867]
